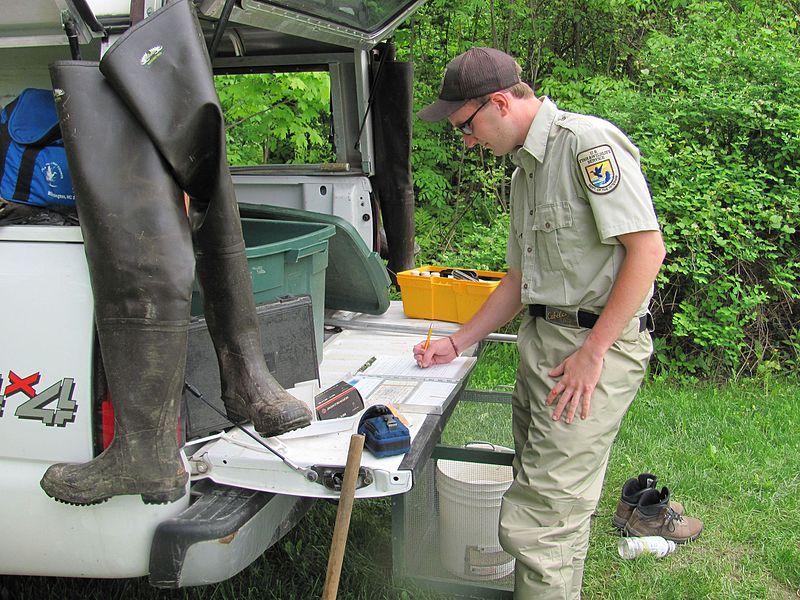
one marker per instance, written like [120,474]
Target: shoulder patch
[599,168]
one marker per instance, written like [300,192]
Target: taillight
[107,421]
[102,410]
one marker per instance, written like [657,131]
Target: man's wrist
[596,348]
[453,344]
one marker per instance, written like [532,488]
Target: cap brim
[441,109]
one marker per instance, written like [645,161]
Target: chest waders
[161,101]
[139,253]
[160,69]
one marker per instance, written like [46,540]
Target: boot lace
[672,520]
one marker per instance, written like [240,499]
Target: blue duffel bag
[33,164]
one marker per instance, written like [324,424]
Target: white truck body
[48,398]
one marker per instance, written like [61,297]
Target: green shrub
[715,115]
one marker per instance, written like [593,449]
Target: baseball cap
[472,74]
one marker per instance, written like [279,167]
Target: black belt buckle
[561,317]
[558,316]
[554,315]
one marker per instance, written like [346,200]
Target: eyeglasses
[466,126]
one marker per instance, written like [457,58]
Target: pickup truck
[53,405]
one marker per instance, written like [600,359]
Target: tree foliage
[720,127]
[708,92]
[276,118]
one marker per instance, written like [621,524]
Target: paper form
[406,367]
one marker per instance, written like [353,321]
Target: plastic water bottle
[632,547]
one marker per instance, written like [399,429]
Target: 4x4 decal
[35,407]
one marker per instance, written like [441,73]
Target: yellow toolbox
[429,296]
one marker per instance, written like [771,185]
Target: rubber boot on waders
[139,252]
[161,69]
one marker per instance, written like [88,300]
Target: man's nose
[469,141]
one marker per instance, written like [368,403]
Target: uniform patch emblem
[600,169]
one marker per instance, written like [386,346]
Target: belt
[580,318]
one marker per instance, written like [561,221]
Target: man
[583,250]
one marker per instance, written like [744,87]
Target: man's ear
[502,101]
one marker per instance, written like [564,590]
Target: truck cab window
[361,15]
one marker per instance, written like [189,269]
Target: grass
[730,454]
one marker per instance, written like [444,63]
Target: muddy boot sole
[157,497]
[296,418]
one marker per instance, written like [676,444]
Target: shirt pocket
[551,223]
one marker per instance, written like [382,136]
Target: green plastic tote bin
[286,258]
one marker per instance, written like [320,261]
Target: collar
[536,140]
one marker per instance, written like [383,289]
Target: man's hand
[439,352]
[579,374]
[500,307]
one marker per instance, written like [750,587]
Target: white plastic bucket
[469,510]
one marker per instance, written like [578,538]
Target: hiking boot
[629,499]
[654,516]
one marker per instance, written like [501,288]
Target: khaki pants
[559,468]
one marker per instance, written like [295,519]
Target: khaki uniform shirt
[578,184]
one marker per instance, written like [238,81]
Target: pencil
[428,339]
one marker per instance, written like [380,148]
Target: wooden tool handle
[343,513]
